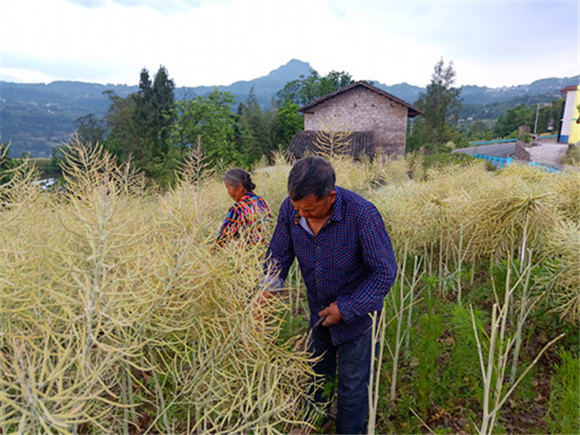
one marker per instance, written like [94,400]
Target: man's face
[310,207]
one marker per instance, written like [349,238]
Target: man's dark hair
[311,175]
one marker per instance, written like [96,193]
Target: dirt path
[548,153]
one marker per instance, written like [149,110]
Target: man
[348,265]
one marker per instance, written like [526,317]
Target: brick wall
[361,109]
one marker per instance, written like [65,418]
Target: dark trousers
[354,359]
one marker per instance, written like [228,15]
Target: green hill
[36,117]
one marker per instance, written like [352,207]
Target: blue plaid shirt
[350,261]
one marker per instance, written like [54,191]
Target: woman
[249,212]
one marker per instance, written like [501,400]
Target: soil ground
[548,153]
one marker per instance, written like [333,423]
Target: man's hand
[331,313]
[261,306]
[264,296]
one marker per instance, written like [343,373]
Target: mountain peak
[295,68]
[265,87]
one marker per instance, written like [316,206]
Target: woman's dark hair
[311,175]
[238,176]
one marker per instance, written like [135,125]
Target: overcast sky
[491,43]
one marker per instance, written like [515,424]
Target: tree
[306,89]
[143,118]
[162,98]
[288,122]
[139,124]
[478,131]
[90,129]
[440,105]
[549,117]
[211,119]
[124,139]
[256,128]
[152,111]
[333,81]
[509,123]
[7,164]
[300,91]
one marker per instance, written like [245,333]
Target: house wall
[361,109]
[574,125]
[570,130]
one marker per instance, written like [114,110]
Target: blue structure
[498,162]
[546,168]
[503,162]
[490,142]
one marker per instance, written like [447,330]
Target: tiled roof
[413,111]
[569,89]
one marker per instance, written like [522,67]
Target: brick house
[376,120]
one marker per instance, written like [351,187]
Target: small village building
[372,121]
[570,125]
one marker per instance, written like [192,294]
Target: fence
[498,162]
[491,142]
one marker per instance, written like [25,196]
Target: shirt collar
[338,206]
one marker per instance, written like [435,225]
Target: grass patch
[572,157]
[563,410]
[444,159]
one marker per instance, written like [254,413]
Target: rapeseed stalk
[379,325]
[561,261]
[118,314]
[114,304]
[332,139]
[526,305]
[499,347]
[511,217]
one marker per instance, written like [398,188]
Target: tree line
[155,132]
[439,128]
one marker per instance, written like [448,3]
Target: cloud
[163,6]
[20,75]
[219,42]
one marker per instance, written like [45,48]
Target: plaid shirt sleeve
[247,213]
[379,259]
[231,224]
[280,253]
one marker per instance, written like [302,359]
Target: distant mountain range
[36,117]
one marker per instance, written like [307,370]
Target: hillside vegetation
[37,118]
[117,314]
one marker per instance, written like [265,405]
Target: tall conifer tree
[162,101]
[440,105]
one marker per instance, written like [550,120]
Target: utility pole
[536,122]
